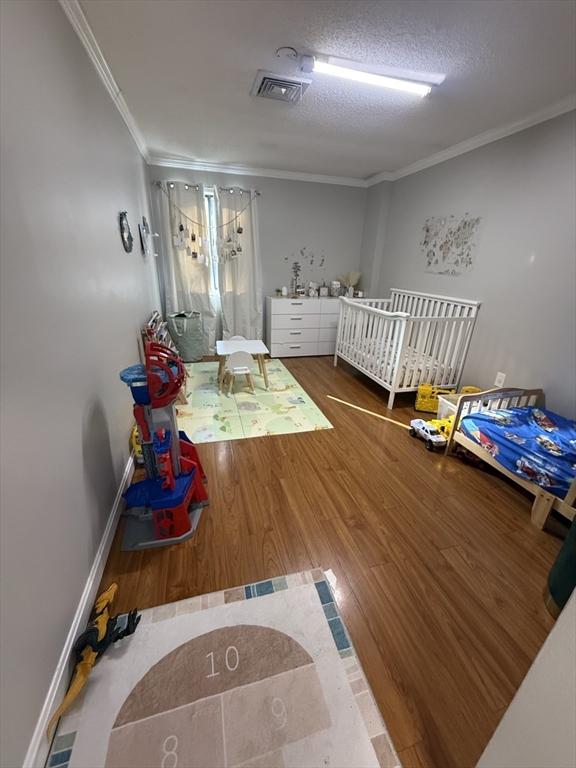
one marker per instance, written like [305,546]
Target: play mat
[260,676]
[283,408]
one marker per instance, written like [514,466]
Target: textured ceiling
[186,67]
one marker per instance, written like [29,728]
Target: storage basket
[187,332]
[447,405]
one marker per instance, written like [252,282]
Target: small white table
[254,347]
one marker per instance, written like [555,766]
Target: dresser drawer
[294,349]
[295,306]
[327,334]
[329,321]
[294,321]
[326,347]
[294,335]
[330,306]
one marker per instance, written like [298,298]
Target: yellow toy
[443,425]
[102,630]
[427,397]
[136,446]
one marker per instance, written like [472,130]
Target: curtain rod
[238,189]
[220,189]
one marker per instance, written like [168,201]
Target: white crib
[406,340]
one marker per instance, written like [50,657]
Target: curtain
[185,266]
[239,264]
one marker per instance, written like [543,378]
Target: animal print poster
[449,244]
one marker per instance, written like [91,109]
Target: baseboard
[39,747]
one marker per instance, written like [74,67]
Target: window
[212,238]
[211,251]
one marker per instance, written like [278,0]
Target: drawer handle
[296,303]
[295,333]
[299,317]
[295,346]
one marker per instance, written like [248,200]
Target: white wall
[71,304]
[539,727]
[324,218]
[374,235]
[524,188]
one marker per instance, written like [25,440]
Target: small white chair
[239,364]
[222,363]
[261,361]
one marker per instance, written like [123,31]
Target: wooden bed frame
[495,399]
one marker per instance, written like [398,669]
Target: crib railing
[435,351]
[431,305]
[401,351]
[371,339]
[376,303]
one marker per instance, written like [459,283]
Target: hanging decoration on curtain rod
[172,184]
[253,196]
[236,189]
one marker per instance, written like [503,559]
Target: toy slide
[164,508]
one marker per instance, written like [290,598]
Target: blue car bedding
[535,444]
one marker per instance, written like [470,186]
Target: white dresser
[297,327]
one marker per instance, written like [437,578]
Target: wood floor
[440,574]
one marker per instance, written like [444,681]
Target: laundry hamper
[187,332]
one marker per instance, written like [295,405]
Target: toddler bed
[512,431]
[406,340]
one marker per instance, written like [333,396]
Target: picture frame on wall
[125,233]
[144,232]
[449,244]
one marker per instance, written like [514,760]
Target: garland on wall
[253,196]
[227,247]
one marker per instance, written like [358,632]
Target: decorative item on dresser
[301,327]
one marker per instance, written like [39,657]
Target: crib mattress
[427,368]
[536,444]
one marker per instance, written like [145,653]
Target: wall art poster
[448,244]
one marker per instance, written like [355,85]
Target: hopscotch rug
[260,676]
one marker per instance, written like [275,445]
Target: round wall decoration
[125,234]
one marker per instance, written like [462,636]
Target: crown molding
[548,113]
[244,170]
[377,178]
[480,140]
[79,22]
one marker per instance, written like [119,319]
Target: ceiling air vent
[279,87]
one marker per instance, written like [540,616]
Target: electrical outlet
[500,379]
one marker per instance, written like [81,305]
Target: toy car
[431,436]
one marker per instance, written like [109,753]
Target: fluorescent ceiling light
[408,86]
